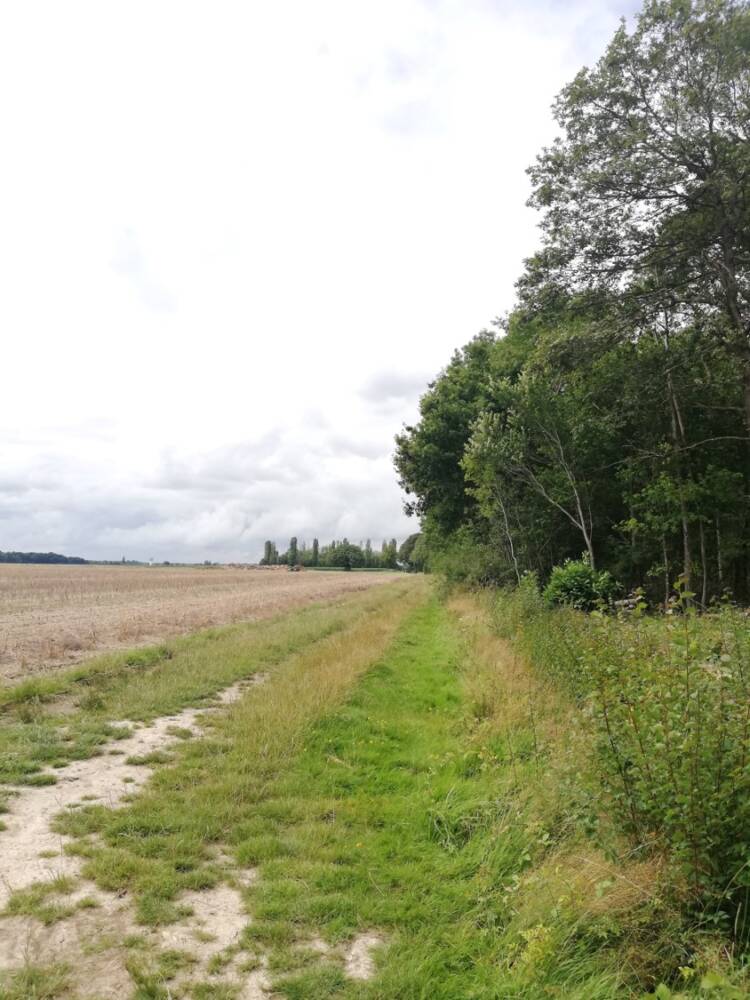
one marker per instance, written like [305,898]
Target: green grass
[34,983]
[400,773]
[147,683]
[380,806]
[160,844]
[388,821]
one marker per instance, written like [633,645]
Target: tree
[428,455]
[647,191]
[267,554]
[346,556]
[411,555]
[315,553]
[292,557]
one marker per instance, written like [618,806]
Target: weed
[34,982]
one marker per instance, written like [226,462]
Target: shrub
[577,584]
[667,701]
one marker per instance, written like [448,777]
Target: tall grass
[667,701]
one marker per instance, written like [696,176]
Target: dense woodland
[609,415]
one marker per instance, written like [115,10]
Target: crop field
[51,616]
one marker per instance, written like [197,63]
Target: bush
[665,700]
[577,584]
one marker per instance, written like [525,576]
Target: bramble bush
[668,701]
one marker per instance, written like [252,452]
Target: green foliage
[292,556]
[610,413]
[40,557]
[412,554]
[667,701]
[345,556]
[577,584]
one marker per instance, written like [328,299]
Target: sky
[237,239]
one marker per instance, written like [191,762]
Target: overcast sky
[237,239]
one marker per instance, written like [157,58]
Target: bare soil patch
[54,616]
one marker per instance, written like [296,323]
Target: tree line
[346,555]
[609,415]
[39,557]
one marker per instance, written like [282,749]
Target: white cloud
[237,239]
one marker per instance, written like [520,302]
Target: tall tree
[647,191]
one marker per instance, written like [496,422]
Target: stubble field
[53,616]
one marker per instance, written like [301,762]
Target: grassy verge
[410,813]
[663,703]
[429,805]
[49,721]
[406,777]
[160,844]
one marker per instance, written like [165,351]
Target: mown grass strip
[51,721]
[395,818]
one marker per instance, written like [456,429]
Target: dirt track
[53,616]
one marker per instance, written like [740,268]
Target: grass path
[47,722]
[387,812]
[388,821]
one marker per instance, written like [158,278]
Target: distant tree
[410,554]
[267,554]
[389,555]
[368,553]
[347,556]
[293,553]
[315,552]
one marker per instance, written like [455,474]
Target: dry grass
[52,616]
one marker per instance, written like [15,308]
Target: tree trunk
[509,536]
[679,438]
[687,573]
[704,566]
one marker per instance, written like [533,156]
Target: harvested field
[53,616]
